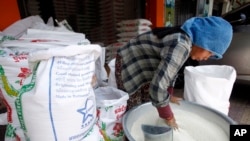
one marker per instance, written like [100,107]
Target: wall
[9,13]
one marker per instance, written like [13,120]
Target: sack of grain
[49,93]
[111,106]
[209,85]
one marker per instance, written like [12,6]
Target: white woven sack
[111,106]
[55,100]
[209,85]
[63,100]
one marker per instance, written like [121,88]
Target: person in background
[146,67]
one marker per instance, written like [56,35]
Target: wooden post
[155,12]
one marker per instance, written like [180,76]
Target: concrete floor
[240,104]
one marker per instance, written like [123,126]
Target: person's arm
[172,59]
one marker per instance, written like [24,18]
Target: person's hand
[175,99]
[172,123]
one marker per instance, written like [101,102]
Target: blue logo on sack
[87,112]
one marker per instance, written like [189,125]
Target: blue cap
[210,33]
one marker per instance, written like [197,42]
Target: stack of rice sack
[46,84]
[126,30]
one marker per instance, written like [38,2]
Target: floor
[239,110]
[240,104]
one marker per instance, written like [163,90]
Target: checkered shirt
[149,59]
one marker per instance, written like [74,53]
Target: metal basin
[220,120]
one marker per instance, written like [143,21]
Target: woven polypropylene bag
[209,85]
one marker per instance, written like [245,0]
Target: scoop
[157,133]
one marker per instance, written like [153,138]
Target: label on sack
[63,99]
[52,99]
[111,106]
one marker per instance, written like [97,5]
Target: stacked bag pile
[126,30]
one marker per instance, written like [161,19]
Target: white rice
[192,127]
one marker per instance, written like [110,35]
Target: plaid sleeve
[172,59]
